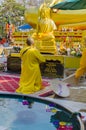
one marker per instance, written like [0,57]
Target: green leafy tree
[11,11]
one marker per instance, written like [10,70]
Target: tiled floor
[76,101]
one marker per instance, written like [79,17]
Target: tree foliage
[10,10]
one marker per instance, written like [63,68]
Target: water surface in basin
[14,115]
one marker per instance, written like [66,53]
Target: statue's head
[44,11]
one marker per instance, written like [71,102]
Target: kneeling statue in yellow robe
[30,79]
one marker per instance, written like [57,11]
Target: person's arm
[39,56]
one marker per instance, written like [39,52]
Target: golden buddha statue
[45,28]
[45,23]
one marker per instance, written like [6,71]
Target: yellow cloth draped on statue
[46,26]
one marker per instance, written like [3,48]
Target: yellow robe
[82,68]
[30,79]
